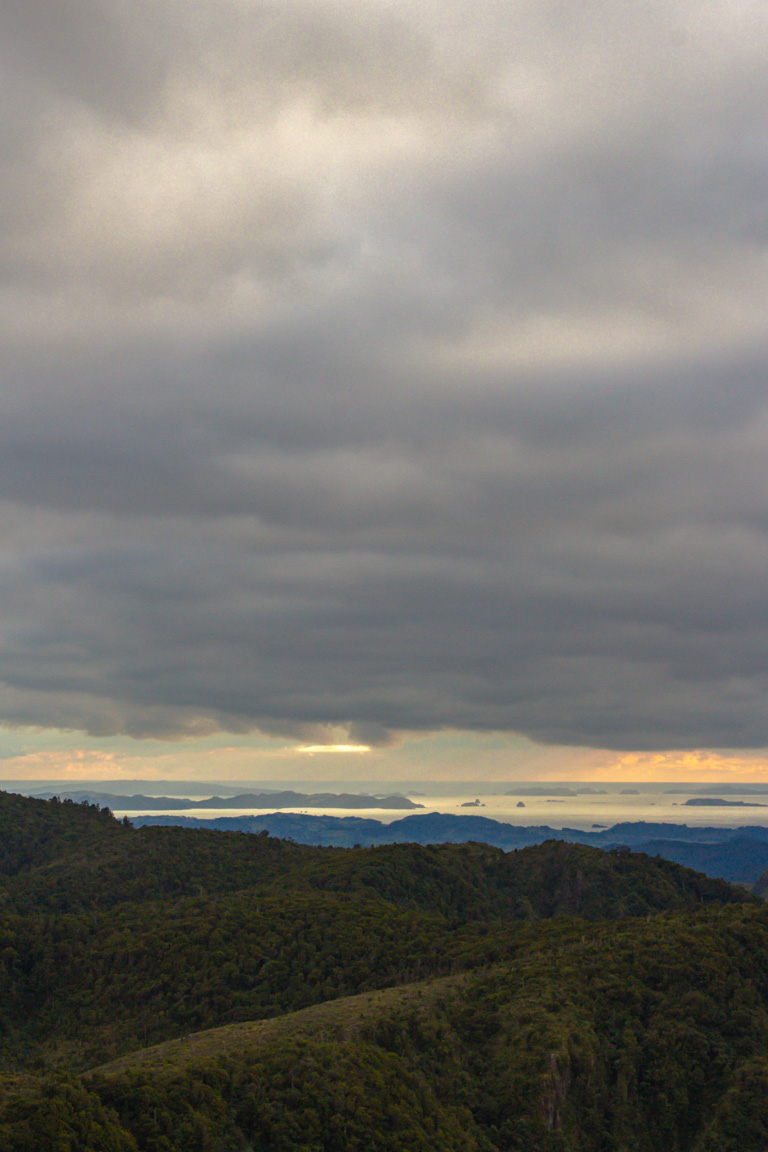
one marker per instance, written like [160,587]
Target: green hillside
[34,833]
[637,1034]
[165,989]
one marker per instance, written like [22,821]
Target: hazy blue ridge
[726,853]
[742,859]
[636,832]
[330,831]
[286,799]
[346,831]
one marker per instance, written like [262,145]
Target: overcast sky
[374,369]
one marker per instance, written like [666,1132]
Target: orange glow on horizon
[442,759]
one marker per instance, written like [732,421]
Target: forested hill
[34,832]
[736,854]
[63,857]
[113,939]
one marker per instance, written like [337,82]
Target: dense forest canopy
[410,997]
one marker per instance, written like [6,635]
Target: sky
[384,389]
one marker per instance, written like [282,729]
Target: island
[712,802]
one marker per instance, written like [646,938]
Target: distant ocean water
[582,812]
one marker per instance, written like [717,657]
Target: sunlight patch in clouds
[317,749]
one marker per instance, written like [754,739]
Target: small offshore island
[715,802]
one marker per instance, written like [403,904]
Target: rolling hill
[168,990]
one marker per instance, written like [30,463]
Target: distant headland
[263,800]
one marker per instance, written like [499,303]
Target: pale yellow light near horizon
[438,757]
[314,749]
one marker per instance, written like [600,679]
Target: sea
[586,812]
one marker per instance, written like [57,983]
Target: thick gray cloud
[393,366]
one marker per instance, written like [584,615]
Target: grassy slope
[338,1018]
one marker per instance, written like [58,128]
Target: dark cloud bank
[391,366]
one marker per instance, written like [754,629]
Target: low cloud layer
[383,368]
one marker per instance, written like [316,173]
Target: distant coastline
[265,800]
